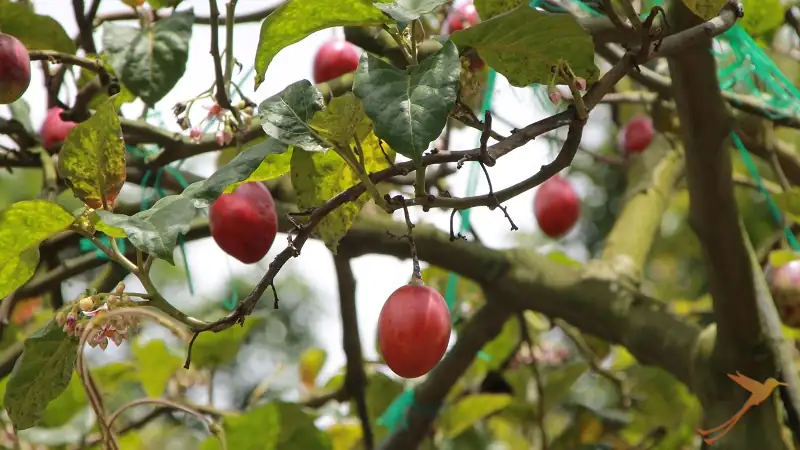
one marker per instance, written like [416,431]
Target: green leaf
[156,365]
[408,10]
[298,429]
[40,375]
[35,31]
[311,362]
[779,258]
[789,203]
[562,258]
[409,108]
[285,116]
[470,410]
[273,166]
[24,225]
[92,159]
[317,177]
[345,436]
[705,9]
[499,348]
[762,16]
[212,350]
[257,429]
[524,44]
[158,4]
[295,20]
[490,8]
[558,383]
[21,112]
[150,61]
[155,231]
[381,392]
[341,121]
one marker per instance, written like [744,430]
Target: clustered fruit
[74,318]
[413,329]
[244,222]
[15,69]
[556,206]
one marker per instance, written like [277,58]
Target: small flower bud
[61,318]
[195,134]
[179,108]
[86,304]
[580,83]
[555,97]
[224,137]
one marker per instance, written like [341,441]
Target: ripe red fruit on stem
[784,285]
[413,330]
[637,134]
[556,206]
[463,17]
[54,130]
[15,69]
[244,223]
[334,59]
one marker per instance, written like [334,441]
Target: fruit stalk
[347,155]
[420,190]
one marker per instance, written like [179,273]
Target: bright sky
[377,276]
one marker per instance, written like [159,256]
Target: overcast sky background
[377,276]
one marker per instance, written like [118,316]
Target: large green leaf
[151,60]
[24,225]
[295,20]
[705,9]
[273,166]
[404,11]
[35,31]
[156,365]
[524,45]
[317,177]
[257,429]
[409,107]
[92,159]
[285,116]
[298,429]
[40,375]
[155,231]
[490,8]
[219,349]
[470,410]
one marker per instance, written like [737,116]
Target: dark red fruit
[15,69]
[637,134]
[556,206]
[784,285]
[54,130]
[413,330]
[462,17]
[334,59]
[244,223]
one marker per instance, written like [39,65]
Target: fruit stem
[414,24]
[399,40]
[420,190]
[348,157]
[568,76]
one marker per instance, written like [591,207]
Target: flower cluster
[74,318]
[226,126]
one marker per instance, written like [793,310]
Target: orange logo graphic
[758,393]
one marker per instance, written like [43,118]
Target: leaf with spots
[317,177]
[92,158]
[151,60]
[40,375]
[295,20]
[23,226]
[490,8]
[285,116]
[404,11]
[341,120]
[524,44]
[409,108]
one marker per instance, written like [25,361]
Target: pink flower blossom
[224,137]
[195,134]
[215,111]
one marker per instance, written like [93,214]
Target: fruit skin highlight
[463,17]
[784,285]
[334,59]
[556,206]
[244,223]
[637,134]
[15,69]
[55,130]
[413,330]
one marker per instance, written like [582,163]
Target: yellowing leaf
[345,436]
[273,166]
[318,177]
[341,120]
[311,362]
[779,258]
[92,159]
[467,412]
